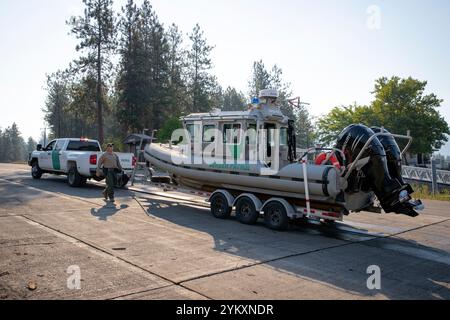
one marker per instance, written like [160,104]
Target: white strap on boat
[305,179]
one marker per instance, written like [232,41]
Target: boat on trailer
[249,161]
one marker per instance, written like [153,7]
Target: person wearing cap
[109,161]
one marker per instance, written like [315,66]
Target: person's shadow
[108,210]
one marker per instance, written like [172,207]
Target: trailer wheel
[245,211]
[219,206]
[275,216]
[36,171]
[74,178]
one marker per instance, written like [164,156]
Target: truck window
[83,146]
[50,146]
[59,145]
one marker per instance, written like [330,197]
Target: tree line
[134,73]
[13,147]
[401,106]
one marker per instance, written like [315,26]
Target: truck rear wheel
[74,178]
[245,211]
[275,216]
[219,206]
[36,171]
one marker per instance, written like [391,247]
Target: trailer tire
[245,211]
[74,179]
[275,216]
[219,206]
[36,171]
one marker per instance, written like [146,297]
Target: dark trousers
[110,182]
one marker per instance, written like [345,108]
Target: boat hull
[323,181]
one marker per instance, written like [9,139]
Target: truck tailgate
[126,160]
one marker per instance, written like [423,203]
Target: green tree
[56,103]
[165,133]
[131,82]
[273,79]
[339,118]
[233,100]
[177,71]
[400,105]
[156,52]
[202,86]
[80,113]
[31,145]
[260,79]
[13,145]
[144,80]
[96,32]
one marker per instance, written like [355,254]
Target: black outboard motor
[374,173]
[393,154]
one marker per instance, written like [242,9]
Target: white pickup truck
[76,158]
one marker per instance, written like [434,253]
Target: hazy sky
[330,51]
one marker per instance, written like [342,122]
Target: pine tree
[13,146]
[156,52]
[260,79]
[56,104]
[273,79]
[95,30]
[233,100]
[200,82]
[177,76]
[31,145]
[131,82]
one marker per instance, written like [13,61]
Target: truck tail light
[93,159]
[134,161]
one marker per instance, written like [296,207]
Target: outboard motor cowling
[393,154]
[372,171]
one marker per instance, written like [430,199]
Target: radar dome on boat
[268,93]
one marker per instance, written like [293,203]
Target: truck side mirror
[39,147]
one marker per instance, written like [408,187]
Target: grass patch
[422,191]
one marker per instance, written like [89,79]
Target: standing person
[110,163]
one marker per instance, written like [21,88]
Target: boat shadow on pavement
[336,255]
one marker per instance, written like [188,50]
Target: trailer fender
[255,200]
[230,198]
[290,211]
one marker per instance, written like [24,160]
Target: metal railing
[425,174]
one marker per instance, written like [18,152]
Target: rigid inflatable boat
[254,151]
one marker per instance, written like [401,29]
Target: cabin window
[208,133]
[193,129]
[251,134]
[270,131]
[283,137]
[232,133]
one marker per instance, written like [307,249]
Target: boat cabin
[261,134]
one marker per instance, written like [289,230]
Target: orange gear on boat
[327,158]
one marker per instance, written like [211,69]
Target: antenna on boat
[296,102]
